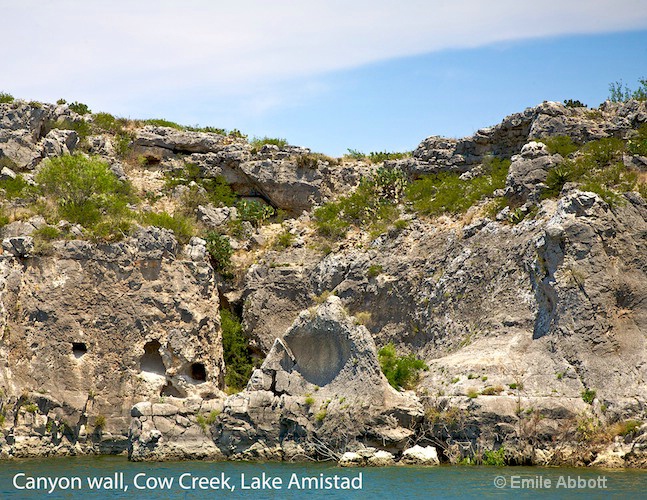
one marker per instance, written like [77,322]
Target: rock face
[507,138]
[307,397]
[96,329]
[533,332]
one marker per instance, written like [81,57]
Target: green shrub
[400,371]
[560,144]
[492,391]
[619,92]
[570,103]
[47,233]
[220,251]
[309,400]
[5,98]
[16,188]
[255,212]
[81,127]
[374,270]
[321,415]
[206,420]
[85,189]
[31,408]
[236,354]
[626,427]
[258,142]
[472,393]
[180,225]
[61,101]
[588,395]
[371,206]
[284,239]
[159,122]
[354,154]
[445,192]
[122,143]
[597,168]
[107,123]
[642,189]
[79,108]
[218,192]
[99,422]
[496,458]
[638,145]
[381,156]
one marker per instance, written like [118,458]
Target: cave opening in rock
[198,372]
[151,361]
[79,349]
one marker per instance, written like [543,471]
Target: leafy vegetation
[494,457]
[255,212]
[79,108]
[372,205]
[238,360]
[160,122]
[619,92]
[560,144]
[400,371]
[588,396]
[16,188]
[85,190]
[180,225]
[598,167]
[376,156]
[570,103]
[446,192]
[6,98]
[220,251]
[214,190]
[258,142]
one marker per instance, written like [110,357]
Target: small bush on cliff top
[619,92]
[79,107]
[400,371]
[5,98]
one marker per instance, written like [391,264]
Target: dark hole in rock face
[152,360]
[79,349]
[170,390]
[198,372]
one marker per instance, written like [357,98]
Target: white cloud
[127,50]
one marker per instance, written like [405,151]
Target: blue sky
[330,75]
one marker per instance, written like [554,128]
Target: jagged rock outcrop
[533,331]
[98,328]
[307,395]
[507,138]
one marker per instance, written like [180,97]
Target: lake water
[79,478]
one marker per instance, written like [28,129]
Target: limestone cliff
[529,307]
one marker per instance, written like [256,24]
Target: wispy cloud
[116,50]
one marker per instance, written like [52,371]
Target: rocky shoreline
[528,308]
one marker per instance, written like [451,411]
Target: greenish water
[280,480]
